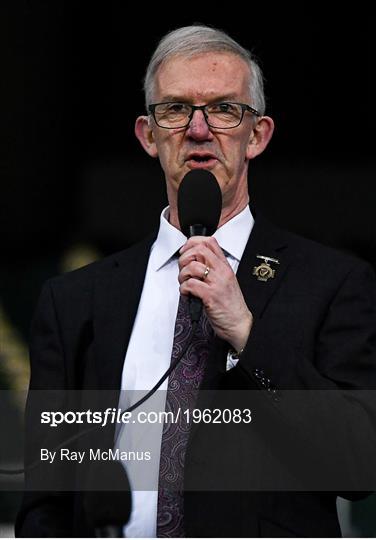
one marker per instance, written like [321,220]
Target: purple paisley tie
[183,386]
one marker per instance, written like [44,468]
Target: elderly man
[280,313]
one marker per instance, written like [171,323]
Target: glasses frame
[244,107]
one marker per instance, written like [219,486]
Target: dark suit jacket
[314,329]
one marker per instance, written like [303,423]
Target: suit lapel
[117,295]
[267,241]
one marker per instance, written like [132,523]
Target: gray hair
[189,41]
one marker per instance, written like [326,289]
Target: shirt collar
[168,241]
[232,237]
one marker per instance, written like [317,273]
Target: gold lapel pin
[264,271]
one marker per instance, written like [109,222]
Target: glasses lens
[172,115]
[224,115]
[218,115]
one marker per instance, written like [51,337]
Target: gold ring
[206,272]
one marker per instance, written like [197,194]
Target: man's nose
[198,127]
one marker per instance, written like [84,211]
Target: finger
[197,288]
[201,254]
[196,270]
[208,241]
[188,257]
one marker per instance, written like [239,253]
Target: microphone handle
[198,230]
[195,308]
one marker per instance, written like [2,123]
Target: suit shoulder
[316,254]
[83,278]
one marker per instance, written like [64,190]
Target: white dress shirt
[149,355]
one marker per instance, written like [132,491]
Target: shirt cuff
[231,360]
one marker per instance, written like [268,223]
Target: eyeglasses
[174,115]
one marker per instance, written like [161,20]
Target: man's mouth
[203,160]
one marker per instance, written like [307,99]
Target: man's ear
[260,136]
[144,134]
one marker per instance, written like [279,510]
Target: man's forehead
[203,74]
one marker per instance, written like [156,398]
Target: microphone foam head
[199,201]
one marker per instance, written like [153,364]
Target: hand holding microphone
[205,273]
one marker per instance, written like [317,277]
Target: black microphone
[108,499]
[199,210]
